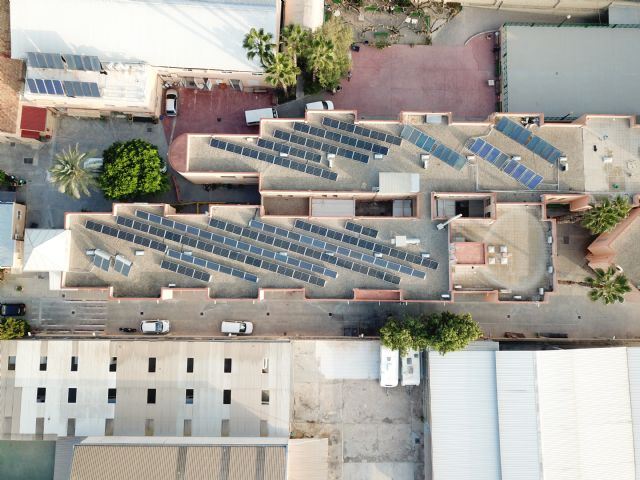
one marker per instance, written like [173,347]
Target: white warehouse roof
[525,415]
[199,34]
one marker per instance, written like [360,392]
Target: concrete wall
[537,4]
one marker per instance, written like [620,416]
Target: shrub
[11,328]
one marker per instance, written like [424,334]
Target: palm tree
[295,40]
[608,285]
[320,55]
[604,217]
[282,72]
[259,43]
[70,175]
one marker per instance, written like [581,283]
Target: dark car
[12,309]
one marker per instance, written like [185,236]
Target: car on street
[237,328]
[12,309]
[171,102]
[156,327]
[323,105]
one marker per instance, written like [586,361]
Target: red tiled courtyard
[422,78]
[215,111]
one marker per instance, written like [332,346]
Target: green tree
[282,72]
[404,334]
[341,36]
[4,178]
[608,285]
[604,217]
[320,56]
[295,40]
[132,169]
[11,328]
[259,43]
[70,175]
[447,332]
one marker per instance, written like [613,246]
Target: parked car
[323,105]
[12,309]
[237,328]
[154,326]
[171,102]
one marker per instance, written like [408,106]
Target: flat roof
[175,33]
[571,70]
[7,243]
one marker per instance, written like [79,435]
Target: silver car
[156,327]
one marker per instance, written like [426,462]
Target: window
[226,397]
[111,395]
[43,364]
[12,362]
[71,395]
[227,365]
[41,395]
[71,427]
[224,428]
[108,427]
[113,364]
[189,365]
[152,364]
[186,428]
[151,395]
[265,397]
[74,364]
[265,365]
[189,396]
[264,428]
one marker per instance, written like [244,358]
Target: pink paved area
[421,78]
[199,111]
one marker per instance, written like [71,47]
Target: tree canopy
[444,332]
[605,216]
[11,328]
[132,169]
[608,286]
[70,175]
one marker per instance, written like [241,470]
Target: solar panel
[83,62]
[530,141]
[368,232]
[129,237]
[316,145]
[325,252]
[122,265]
[269,158]
[503,162]
[289,150]
[216,267]
[340,138]
[216,248]
[81,89]
[45,60]
[366,244]
[430,145]
[362,131]
[186,271]
[101,259]
[45,87]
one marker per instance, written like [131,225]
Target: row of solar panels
[503,162]
[532,142]
[273,159]
[322,146]
[355,228]
[346,140]
[127,236]
[362,131]
[222,251]
[216,267]
[289,150]
[57,61]
[429,145]
[327,252]
[372,247]
[68,88]
[186,271]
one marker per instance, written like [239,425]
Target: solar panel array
[216,267]
[530,141]
[276,160]
[355,228]
[81,89]
[340,138]
[502,161]
[83,62]
[186,271]
[289,150]
[430,145]
[122,235]
[363,132]
[122,265]
[221,251]
[366,244]
[45,87]
[45,60]
[102,260]
[332,249]
[247,233]
[325,147]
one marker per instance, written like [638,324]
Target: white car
[323,105]
[237,328]
[171,102]
[154,326]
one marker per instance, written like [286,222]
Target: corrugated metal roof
[633,362]
[7,243]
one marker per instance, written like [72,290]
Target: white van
[410,368]
[253,117]
[389,360]
[237,328]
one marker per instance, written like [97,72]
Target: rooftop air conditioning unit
[471,157]
[139,253]
[378,156]
[608,160]
[517,297]
[457,287]
[188,253]
[445,296]
[249,139]
[171,285]
[541,291]
[517,158]
[330,160]
[425,156]
[549,240]
[550,269]
[331,155]
[491,82]
[377,255]
[425,255]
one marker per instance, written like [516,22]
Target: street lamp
[568,17]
